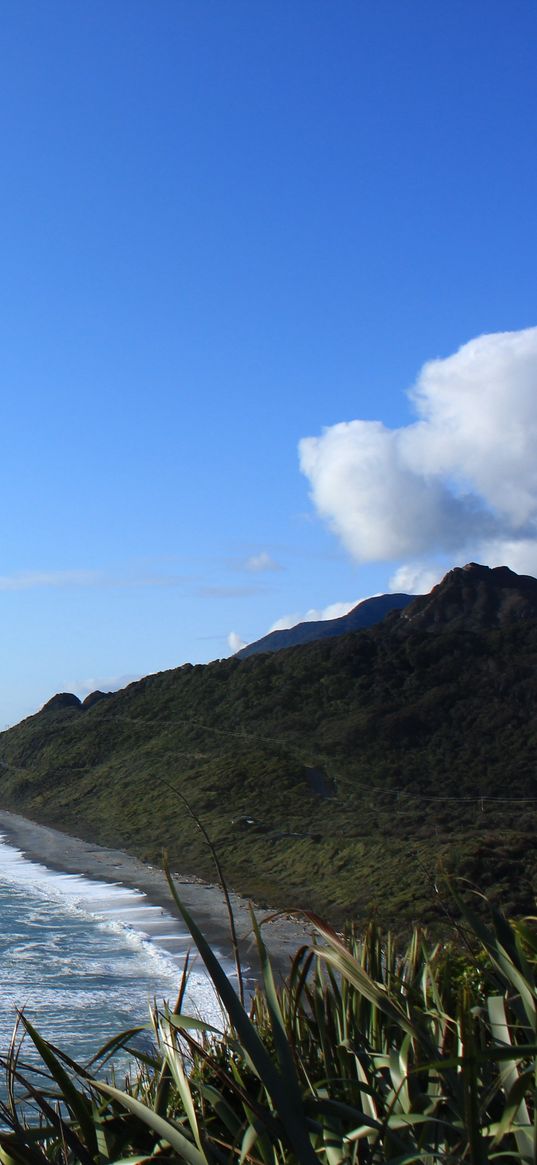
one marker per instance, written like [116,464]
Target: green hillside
[335,776]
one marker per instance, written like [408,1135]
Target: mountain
[476,597]
[365,614]
[339,775]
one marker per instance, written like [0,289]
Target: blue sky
[229,226]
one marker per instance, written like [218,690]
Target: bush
[365,1054]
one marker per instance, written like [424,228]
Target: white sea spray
[85,959]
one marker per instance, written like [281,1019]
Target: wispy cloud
[30,579]
[36,579]
[235,642]
[187,583]
[262,562]
[229,592]
[258,563]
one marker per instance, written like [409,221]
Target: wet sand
[204,901]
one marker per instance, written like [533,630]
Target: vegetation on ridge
[332,776]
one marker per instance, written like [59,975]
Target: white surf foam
[155,936]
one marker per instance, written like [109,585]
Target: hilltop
[474,597]
[333,775]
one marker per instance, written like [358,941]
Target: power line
[255,738]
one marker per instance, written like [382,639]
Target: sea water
[85,960]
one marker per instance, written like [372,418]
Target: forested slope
[335,775]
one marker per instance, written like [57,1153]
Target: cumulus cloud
[415,579]
[461,480]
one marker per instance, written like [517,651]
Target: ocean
[85,959]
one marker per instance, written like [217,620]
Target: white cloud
[520,555]
[258,563]
[415,579]
[235,642]
[460,481]
[314,615]
[29,579]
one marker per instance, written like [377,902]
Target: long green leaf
[281,1039]
[168,1132]
[276,1086]
[175,1063]
[516,1110]
[61,1127]
[190,1023]
[78,1103]
[339,957]
[509,972]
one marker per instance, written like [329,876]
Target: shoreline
[205,901]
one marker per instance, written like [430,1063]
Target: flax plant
[366,1054]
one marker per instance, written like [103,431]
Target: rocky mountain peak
[476,596]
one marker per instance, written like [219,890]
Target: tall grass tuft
[366,1054]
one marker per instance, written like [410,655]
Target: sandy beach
[206,903]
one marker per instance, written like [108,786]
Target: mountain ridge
[364,614]
[336,775]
